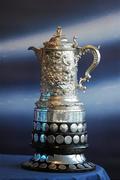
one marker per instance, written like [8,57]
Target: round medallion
[63,128]
[35,137]
[45,127]
[76,139]
[38,126]
[80,127]
[68,139]
[43,165]
[83,138]
[73,128]
[42,138]
[52,166]
[51,139]
[59,139]
[72,166]
[62,166]
[35,164]
[54,127]
[87,165]
[80,166]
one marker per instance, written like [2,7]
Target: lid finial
[59,31]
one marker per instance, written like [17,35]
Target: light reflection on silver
[43,158]
[64,128]
[66,159]
[82,138]
[82,116]
[80,166]
[80,158]
[80,127]
[66,115]
[45,127]
[83,157]
[68,139]
[43,138]
[76,139]
[73,128]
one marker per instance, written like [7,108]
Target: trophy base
[59,163]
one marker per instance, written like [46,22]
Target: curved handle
[96,59]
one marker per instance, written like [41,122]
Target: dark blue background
[30,22]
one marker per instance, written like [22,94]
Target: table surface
[10,169]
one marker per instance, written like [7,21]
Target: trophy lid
[60,42]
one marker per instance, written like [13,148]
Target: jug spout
[37,51]
[33,48]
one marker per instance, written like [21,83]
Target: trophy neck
[64,102]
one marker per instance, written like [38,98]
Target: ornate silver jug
[59,134]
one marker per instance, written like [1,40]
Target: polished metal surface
[68,139]
[76,139]
[82,138]
[45,127]
[59,139]
[42,138]
[65,115]
[51,139]
[64,128]
[80,127]
[59,130]
[66,159]
[73,128]
[53,127]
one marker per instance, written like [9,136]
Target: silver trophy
[59,134]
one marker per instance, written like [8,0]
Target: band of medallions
[61,130]
[59,133]
[48,163]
